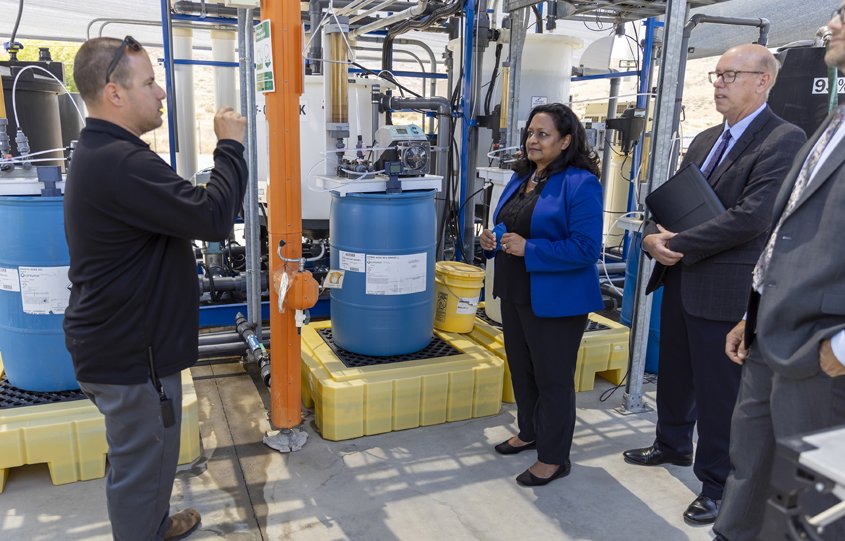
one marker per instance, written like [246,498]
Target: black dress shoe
[528,479]
[702,510]
[652,456]
[505,448]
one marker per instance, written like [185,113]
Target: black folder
[684,201]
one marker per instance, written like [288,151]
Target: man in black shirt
[131,324]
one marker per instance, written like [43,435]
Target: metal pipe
[354,5]
[662,150]
[242,61]
[515,62]
[698,18]
[607,155]
[409,13]
[135,22]
[167,38]
[370,11]
[204,9]
[254,282]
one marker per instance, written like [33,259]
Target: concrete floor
[436,482]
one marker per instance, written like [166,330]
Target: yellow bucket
[457,287]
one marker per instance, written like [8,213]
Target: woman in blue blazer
[547,281]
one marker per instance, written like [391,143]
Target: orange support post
[284,201]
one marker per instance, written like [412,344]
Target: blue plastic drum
[385,243]
[34,292]
[628,299]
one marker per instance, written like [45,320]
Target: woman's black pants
[542,353]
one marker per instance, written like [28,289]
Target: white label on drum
[396,274]
[9,280]
[467,305]
[44,290]
[352,261]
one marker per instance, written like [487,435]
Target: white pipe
[186,158]
[370,11]
[223,50]
[409,13]
[351,6]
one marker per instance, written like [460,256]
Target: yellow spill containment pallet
[604,352]
[353,402]
[70,437]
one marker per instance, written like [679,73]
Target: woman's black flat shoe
[528,479]
[505,448]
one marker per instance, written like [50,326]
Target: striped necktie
[717,156]
[801,182]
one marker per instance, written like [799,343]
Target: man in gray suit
[792,347]
[705,272]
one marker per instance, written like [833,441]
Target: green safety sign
[264,79]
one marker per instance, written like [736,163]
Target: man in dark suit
[792,349]
[706,273]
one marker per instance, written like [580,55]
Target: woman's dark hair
[577,154]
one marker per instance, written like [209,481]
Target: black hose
[390,79]
[422,23]
[493,77]
[17,23]
[539,18]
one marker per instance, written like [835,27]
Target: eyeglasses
[838,12]
[728,76]
[541,135]
[128,43]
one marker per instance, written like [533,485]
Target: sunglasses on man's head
[128,43]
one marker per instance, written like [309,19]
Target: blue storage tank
[34,292]
[385,243]
[628,298]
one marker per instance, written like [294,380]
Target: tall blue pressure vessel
[629,297]
[34,291]
[385,243]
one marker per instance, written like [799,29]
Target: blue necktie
[717,157]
